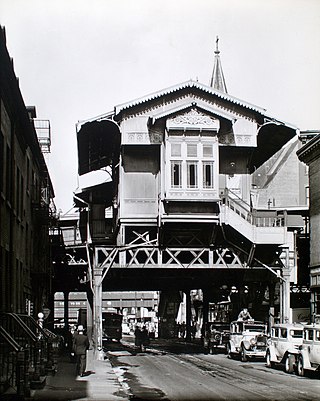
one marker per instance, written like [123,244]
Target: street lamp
[40,317]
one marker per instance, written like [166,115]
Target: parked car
[215,335]
[309,354]
[283,346]
[248,339]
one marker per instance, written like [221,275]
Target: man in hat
[244,315]
[80,347]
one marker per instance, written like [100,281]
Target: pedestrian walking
[80,347]
[141,338]
[144,338]
[138,337]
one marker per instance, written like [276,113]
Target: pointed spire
[217,79]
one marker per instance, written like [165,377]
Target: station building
[180,207]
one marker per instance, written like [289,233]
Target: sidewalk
[99,383]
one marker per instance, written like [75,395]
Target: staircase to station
[257,228]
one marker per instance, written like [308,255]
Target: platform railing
[243,209]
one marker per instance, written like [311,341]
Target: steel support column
[90,315]
[205,307]
[271,287]
[97,310]
[188,315]
[66,310]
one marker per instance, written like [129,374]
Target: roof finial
[217,45]
[217,79]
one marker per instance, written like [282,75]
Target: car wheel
[243,355]
[289,363]
[269,363]
[229,351]
[300,368]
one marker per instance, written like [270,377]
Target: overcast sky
[76,59]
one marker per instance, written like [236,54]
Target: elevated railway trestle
[146,266]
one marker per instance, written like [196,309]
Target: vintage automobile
[216,334]
[309,354]
[283,345]
[248,339]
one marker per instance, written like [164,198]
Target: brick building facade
[26,195]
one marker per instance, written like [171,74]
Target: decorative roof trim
[308,152]
[188,84]
[190,105]
[271,120]
[104,116]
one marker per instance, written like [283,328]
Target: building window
[28,174]
[192,175]
[307,195]
[8,173]
[207,151]
[192,150]
[207,174]
[192,161]
[18,191]
[176,178]
[176,149]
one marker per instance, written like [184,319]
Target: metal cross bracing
[140,256]
[75,260]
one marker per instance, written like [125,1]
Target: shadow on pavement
[65,385]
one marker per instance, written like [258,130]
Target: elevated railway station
[178,209]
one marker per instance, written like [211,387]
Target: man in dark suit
[80,347]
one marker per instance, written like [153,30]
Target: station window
[192,164]
[176,179]
[176,149]
[192,150]
[208,174]
[192,174]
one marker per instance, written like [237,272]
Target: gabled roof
[185,85]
